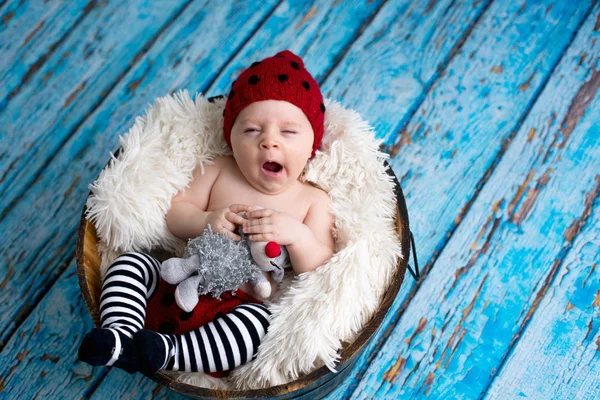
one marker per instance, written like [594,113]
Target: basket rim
[348,352]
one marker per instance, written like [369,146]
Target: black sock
[99,346]
[154,350]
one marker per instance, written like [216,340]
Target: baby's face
[271,141]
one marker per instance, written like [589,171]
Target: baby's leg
[129,282]
[221,345]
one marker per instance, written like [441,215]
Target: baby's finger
[235,218]
[228,226]
[236,208]
[260,213]
[233,235]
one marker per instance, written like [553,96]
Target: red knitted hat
[281,77]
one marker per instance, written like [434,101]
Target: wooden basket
[317,384]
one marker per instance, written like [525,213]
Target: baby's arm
[317,245]
[187,215]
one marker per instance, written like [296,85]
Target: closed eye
[254,129]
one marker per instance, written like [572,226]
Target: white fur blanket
[313,312]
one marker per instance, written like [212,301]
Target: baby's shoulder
[316,195]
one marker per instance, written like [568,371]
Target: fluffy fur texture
[159,153]
[226,264]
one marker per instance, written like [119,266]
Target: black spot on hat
[322,108]
[295,65]
[282,77]
[254,64]
[231,93]
[166,327]
[184,316]
[254,79]
[306,85]
[168,299]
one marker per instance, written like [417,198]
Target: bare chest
[231,188]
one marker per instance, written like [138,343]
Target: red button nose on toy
[272,250]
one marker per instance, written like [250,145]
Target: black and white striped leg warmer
[129,282]
[221,345]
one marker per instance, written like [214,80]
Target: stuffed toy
[213,263]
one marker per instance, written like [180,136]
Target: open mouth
[272,166]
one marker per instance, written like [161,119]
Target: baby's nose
[269,143]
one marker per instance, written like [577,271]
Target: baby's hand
[277,226]
[224,220]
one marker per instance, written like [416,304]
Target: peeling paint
[465,313]
[71,188]
[596,302]
[47,356]
[418,331]
[430,6]
[33,33]
[578,107]
[519,194]
[523,87]
[9,275]
[72,96]
[392,374]
[428,382]
[532,195]
[7,17]
[576,226]
[134,85]
[405,139]
[588,275]
[589,329]
[307,17]
[483,250]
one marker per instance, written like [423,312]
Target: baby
[273,122]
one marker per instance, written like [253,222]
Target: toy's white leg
[261,285]
[175,270]
[186,294]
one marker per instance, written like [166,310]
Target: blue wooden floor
[490,109]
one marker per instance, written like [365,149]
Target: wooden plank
[557,355]
[439,174]
[71,83]
[490,277]
[29,33]
[41,361]
[43,222]
[566,322]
